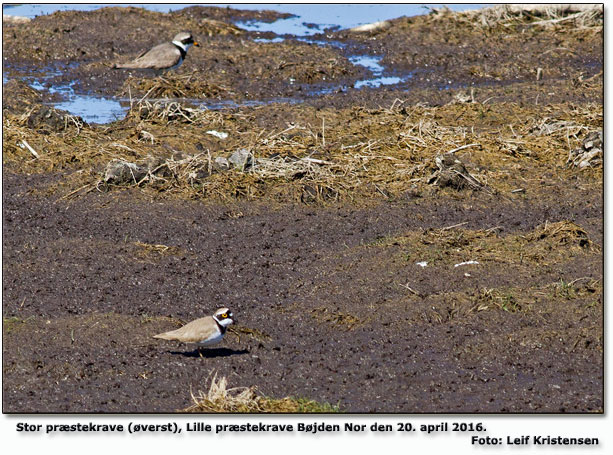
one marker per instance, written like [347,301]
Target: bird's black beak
[196,44]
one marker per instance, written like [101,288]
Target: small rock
[49,118]
[589,154]
[594,139]
[221,163]
[120,172]
[241,159]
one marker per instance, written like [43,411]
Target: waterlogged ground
[362,273]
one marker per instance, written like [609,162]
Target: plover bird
[204,331]
[164,56]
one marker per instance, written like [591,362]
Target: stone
[241,159]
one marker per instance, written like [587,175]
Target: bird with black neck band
[203,332]
[163,57]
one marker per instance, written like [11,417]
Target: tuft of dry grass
[579,16]
[166,111]
[221,399]
[149,250]
[564,233]
[174,86]
[339,319]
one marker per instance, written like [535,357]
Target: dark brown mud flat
[383,250]
[345,314]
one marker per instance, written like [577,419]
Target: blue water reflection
[310,18]
[307,20]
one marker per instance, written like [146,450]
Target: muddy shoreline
[432,246]
[77,46]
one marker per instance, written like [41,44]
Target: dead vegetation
[581,296]
[551,39]
[174,86]
[515,272]
[590,153]
[220,398]
[579,16]
[255,334]
[344,321]
[550,243]
[377,153]
[154,251]
[68,34]
[302,154]
[564,233]
[452,172]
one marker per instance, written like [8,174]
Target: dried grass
[579,16]
[355,154]
[550,243]
[564,233]
[251,333]
[220,398]
[164,111]
[174,86]
[338,319]
[547,127]
[149,250]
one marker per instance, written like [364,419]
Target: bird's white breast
[214,338]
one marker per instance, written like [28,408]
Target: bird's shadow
[211,353]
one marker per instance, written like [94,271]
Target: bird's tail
[164,336]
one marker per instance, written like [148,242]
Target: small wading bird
[204,331]
[164,56]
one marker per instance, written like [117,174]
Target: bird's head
[224,317]
[185,40]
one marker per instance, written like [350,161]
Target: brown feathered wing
[193,332]
[159,57]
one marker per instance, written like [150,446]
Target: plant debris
[220,398]
[589,154]
[452,172]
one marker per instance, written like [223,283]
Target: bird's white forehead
[222,311]
[181,36]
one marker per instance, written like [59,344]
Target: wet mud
[415,248]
